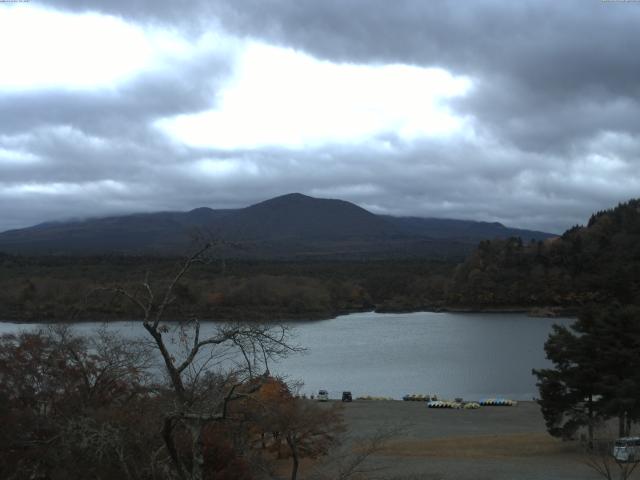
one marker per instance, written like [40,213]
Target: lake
[469,355]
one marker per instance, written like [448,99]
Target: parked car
[347,397]
[323,396]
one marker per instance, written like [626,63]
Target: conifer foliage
[596,374]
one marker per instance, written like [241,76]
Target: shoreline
[531,312]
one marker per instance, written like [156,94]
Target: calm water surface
[448,354]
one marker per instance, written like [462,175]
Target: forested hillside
[598,262]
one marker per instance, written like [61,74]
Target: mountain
[297,216]
[292,225]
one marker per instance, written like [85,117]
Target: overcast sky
[525,112]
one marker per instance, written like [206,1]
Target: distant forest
[59,288]
[596,263]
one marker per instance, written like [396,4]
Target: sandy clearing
[492,443]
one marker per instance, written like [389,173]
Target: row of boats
[434,402]
[456,405]
[431,400]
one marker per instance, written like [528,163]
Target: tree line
[57,288]
[597,263]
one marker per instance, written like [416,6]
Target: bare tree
[308,429]
[105,361]
[200,398]
[68,405]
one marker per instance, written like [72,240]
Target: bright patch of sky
[226,167]
[16,157]
[43,48]
[66,188]
[282,97]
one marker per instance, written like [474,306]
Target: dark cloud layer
[554,109]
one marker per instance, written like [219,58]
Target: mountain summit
[297,216]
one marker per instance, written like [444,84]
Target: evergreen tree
[596,372]
[567,391]
[615,332]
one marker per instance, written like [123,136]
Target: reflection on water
[451,355]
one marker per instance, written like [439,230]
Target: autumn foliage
[76,408]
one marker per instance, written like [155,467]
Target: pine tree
[596,372]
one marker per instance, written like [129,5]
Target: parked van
[323,396]
[627,449]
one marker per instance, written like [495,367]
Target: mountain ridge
[288,225]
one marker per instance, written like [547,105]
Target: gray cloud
[188,86]
[554,108]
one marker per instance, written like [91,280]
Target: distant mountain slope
[162,232]
[287,226]
[462,229]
